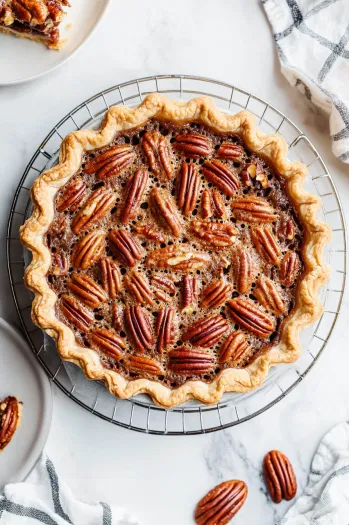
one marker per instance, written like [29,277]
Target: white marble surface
[161,478]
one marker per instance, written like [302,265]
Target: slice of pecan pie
[10,417]
[175,251]
[37,20]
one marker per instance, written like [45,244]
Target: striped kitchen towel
[45,498]
[312,39]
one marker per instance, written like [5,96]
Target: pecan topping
[279,476]
[72,196]
[178,259]
[219,235]
[164,283]
[125,247]
[189,293]
[95,209]
[221,176]
[34,13]
[111,277]
[139,287]
[185,361]
[215,294]
[253,209]
[250,317]
[165,211]
[234,348]
[269,296]
[206,205]
[140,363]
[206,332]
[138,325]
[165,329]
[10,411]
[243,269]
[221,504]
[247,174]
[88,250]
[188,187]
[289,269]
[108,342]
[134,190]
[218,204]
[76,313]
[286,229]
[212,204]
[162,296]
[266,244]
[150,232]
[86,289]
[230,151]
[59,263]
[193,145]
[115,320]
[158,152]
[110,162]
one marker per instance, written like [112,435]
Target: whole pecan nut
[186,361]
[111,277]
[125,246]
[289,268]
[150,232]
[110,162]
[138,286]
[188,187]
[189,293]
[230,151]
[279,476]
[234,349]
[140,363]
[94,210]
[76,314]
[269,296]
[139,328]
[10,412]
[266,244]
[108,342]
[165,329]
[206,332]
[221,176]
[72,196]
[250,317]
[86,289]
[134,191]
[253,209]
[222,503]
[178,259]
[243,269]
[193,145]
[215,294]
[158,152]
[88,250]
[165,211]
[215,234]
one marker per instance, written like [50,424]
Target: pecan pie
[175,251]
[37,20]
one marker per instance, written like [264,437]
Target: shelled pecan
[111,277]
[279,476]
[139,327]
[266,244]
[234,348]
[215,294]
[268,296]
[230,151]
[150,232]
[253,209]
[110,162]
[72,196]
[86,289]
[243,269]
[165,211]
[218,205]
[193,145]
[249,316]
[138,286]
[99,203]
[10,413]
[221,504]
[59,263]
[75,313]
[178,259]
[206,204]
[185,361]
[88,250]
[108,342]
[188,187]
[289,268]
[165,328]
[125,246]
[286,230]
[158,152]
[221,176]
[189,293]
[134,191]
[215,234]
[140,363]
[163,283]
[206,332]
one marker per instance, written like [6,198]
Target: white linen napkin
[325,500]
[312,38]
[45,498]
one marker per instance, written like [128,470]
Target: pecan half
[88,250]
[140,363]
[115,318]
[221,504]
[286,229]
[162,296]
[107,342]
[243,269]
[76,313]
[206,204]
[111,162]
[212,204]
[189,293]
[59,263]
[221,176]
[95,209]
[72,196]
[150,232]
[215,294]
[126,248]
[216,234]
[289,269]
[134,190]
[185,361]
[31,12]
[234,348]
[188,186]
[165,211]
[165,329]
[247,174]
[266,244]
[138,325]
[206,332]
[86,289]
[269,296]
[279,476]
[138,286]
[254,172]
[164,283]
[158,152]
[250,317]
[193,145]
[111,277]
[10,411]
[218,205]
[253,209]
[178,259]
[230,151]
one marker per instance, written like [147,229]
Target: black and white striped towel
[45,498]
[312,38]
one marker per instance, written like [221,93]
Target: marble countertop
[161,478]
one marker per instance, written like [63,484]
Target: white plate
[22,376]
[22,60]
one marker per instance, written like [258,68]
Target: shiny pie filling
[175,253]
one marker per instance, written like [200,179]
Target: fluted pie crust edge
[273,149]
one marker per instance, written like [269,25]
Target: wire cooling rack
[140,413]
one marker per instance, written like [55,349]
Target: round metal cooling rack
[192,418]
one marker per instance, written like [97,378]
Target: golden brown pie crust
[273,149]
